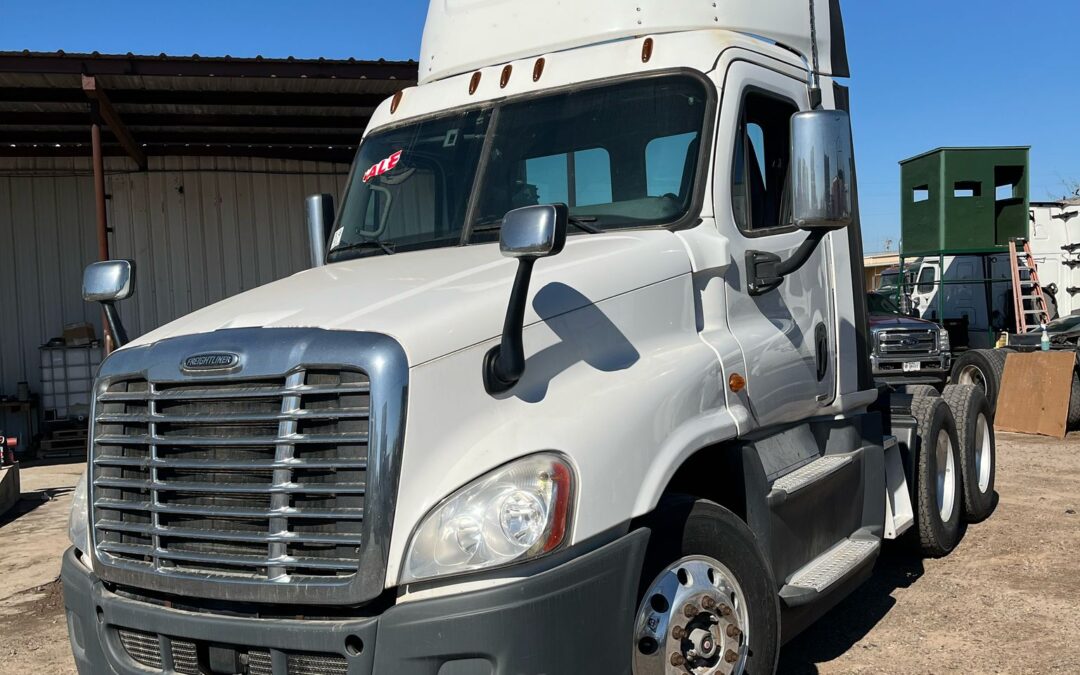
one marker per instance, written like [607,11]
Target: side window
[579,178]
[927,278]
[761,177]
[669,164]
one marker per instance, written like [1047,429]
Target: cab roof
[463,35]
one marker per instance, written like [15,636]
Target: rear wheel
[708,602]
[975,431]
[938,499]
[982,368]
[922,390]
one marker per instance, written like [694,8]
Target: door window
[926,280]
[761,176]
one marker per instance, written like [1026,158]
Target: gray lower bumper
[574,618]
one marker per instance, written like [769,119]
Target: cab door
[788,335]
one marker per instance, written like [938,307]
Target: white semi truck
[580,384]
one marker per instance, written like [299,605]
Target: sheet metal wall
[199,229]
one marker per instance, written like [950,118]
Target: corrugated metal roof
[195,104]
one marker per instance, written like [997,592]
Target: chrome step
[812,472]
[832,565]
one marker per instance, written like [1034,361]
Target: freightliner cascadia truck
[578,382]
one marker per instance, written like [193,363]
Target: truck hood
[892,321]
[439,301]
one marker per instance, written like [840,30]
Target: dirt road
[1006,601]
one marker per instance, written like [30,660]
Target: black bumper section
[574,618]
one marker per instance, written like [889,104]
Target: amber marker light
[736,382]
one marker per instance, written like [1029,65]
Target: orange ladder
[1028,297]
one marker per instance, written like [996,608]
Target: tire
[978,456]
[916,390]
[982,368]
[938,504]
[1074,402]
[698,549]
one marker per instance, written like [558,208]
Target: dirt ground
[1006,601]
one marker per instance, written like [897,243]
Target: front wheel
[708,601]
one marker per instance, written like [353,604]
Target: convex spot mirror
[534,231]
[108,281]
[822,170]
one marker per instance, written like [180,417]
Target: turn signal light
[736,382]
[9,441]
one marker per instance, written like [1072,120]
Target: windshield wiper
[583,223]
[388,249]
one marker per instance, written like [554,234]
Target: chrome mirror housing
[108,281]
[822,170]
[534,231]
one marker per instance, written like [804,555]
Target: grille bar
[138,550]
[233,464]
[230,442]
[263,478]
[232,488]
[229,535]
[224,394]
[238,418]
[228,512]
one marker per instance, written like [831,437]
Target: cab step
[804,476]
[838,563]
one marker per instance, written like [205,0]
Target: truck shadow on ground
[850,621]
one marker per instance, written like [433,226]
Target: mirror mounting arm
[504,364]
[765,271]
[116,327]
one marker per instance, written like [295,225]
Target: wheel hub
[692,620]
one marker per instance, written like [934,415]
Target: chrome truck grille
[899,342]
[262,479]
[271,482]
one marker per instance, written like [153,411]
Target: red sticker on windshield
[379,168]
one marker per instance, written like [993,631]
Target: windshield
[879,303]
[619,155]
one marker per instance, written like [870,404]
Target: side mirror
[106,282]
[822,170]
[320,221]
[822,176]
[528,234]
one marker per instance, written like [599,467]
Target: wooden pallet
[67,446]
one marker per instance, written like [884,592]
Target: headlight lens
[79,520]
[514,513]
[943,340]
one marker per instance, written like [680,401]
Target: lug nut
[733,631]
[708,603]
[725,611]
[731,657]
[677,632]
[677,659]
[690,610]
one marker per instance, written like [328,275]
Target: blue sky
[926,73]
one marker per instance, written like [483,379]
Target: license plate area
[912,366]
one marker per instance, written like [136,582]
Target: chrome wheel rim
[971,375]
[692,620]
[946,482]
[983,459]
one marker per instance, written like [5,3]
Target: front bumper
[933,368]
[574,618]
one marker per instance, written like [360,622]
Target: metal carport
[194,167]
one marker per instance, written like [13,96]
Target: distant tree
[1072,188]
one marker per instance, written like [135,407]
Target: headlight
[943,340]
[79,520]
[514,513]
